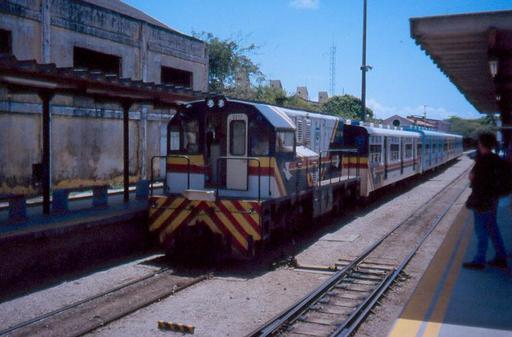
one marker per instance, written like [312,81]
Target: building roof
[132,12]
[461,46]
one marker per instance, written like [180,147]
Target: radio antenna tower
[332,71]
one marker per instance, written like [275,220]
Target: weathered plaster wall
[90,150]
[86,144]
[26,43]
[20,146]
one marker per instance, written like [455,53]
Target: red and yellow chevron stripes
[237,219]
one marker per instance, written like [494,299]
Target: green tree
[231,70]
[298,103]
[470,128]
[270,95]
[346,106]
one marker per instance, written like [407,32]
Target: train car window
[375,153]
[237,137]
[408,150]
[395,152]
[285,141]
[191,136]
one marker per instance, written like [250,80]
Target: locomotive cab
[225,148]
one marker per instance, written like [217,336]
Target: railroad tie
[178,327]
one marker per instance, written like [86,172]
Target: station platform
[450,301]
[80,209]
[59,242]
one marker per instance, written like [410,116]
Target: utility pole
[332,71]
[364,67]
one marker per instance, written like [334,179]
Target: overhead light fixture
[493,65]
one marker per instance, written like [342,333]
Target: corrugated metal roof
[461,46]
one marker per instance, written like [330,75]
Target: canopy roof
[462,46]
[30,76]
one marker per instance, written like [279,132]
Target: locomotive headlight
[210,103]
[221,103]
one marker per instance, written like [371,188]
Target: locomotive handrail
[187,158]
[247,159]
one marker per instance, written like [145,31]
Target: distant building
[276,84]
[104,35]
[323,97]
[435,124]
[302,92]
[410,121]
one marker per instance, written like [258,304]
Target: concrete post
[144,142]
[126,150]
[46,155]
[45,31]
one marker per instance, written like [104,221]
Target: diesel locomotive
[239,171]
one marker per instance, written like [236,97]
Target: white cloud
[305,4]
[383,111]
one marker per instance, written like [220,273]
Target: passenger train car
[239,171]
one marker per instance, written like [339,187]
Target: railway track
[342,302]
[86,315]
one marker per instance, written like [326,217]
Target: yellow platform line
[434,325]
[415,312]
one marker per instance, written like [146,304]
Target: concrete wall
[86,136]
[20,147]
[86,144]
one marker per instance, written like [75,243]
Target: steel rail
[92,298]
[288,316]
[358,316]
[78,303]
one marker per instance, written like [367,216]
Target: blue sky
[295,36]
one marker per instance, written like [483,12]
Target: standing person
[484,203]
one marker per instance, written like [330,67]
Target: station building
[104,36]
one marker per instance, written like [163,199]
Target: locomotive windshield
[285,141]
[260,138]
[184,136]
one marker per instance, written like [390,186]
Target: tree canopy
[231,69]
[470,128]
[346,106]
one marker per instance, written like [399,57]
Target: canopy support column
[46,155]
[126,150]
